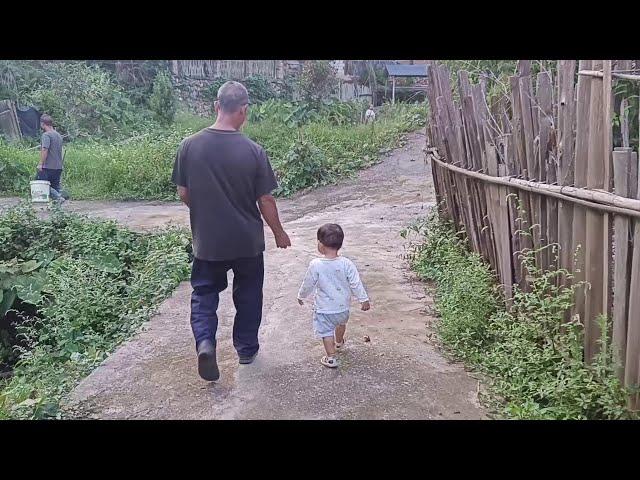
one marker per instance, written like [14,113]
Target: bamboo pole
[566,147]
[632,360]
[621,161]
[549,190]
[580,180]
[538,188]
[600,74]
[393,90]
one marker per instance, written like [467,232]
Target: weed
[532,357]
[101,282]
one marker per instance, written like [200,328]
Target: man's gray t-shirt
[225,174]
[52,141]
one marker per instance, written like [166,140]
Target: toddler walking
[332,280]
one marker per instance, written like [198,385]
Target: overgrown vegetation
[14,173]
[140,167]
[162,99]
[85,102]
[96,99]
[121,125]
[494,74]
[531,356]
[317,80]
[72,290]
[260,88]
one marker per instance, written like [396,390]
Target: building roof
[395,70]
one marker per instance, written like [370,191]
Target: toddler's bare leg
[329,346]
[340,329]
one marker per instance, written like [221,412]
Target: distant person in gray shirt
[50,166]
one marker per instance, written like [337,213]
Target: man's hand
[40,167]
[365,306]
[183,193]
[300,302]
[282,239]
[268,209]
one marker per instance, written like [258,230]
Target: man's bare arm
[269,210]
[183,193]
[43,157]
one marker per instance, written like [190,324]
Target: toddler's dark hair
[331,235]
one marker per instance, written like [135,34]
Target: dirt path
[397,375]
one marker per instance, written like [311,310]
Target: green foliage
[531,356]
[408,115]
[627,89]
[304,165]
[163,100]
[14,174]
[18,77]
[136,77]
[19,280]
[317,80]
[84,101]
[260,88]
[140,167]
[370,72]
[101,283]
[496,73]
[299,113]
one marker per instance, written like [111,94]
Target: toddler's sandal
[329,362]
[339,345]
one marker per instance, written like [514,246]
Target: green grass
[101,283]
[140,167]
[532,358]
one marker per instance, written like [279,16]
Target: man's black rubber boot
[247,360]
[207,362]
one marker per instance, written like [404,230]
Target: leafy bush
[136,77]
[531,356]
[17,77]
[260,88]
[163,100]
[101,283]
[299,113]
[14,174]
[317,80]
[84,101]
[304,165]
[409,114]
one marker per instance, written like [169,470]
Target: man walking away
[226,180]
[51,161]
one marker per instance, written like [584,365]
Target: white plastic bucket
[40,191]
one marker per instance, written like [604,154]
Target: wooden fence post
[580,180]
[632,360]
[621,162]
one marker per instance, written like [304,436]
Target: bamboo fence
[541,159]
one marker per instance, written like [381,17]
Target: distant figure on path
[226,180]
[51,160]
[370,115]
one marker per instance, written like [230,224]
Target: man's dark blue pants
[208,279]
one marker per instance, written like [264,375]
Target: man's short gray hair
[231,96]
